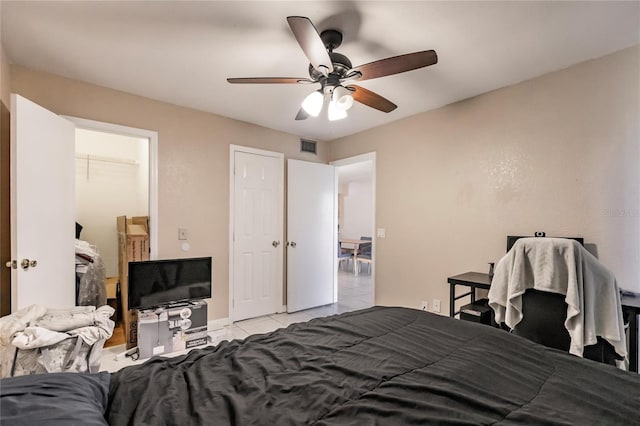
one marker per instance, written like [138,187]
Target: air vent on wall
[308,146]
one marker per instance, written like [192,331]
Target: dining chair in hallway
[364,253]
[343,255]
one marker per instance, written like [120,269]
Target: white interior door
[311,249]
[257,234]
[42,206]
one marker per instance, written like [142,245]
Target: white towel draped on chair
[561,266]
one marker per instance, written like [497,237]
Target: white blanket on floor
[36,326]
[561,266]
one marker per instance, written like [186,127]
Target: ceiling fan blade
[302,114]
[269,80]
[311,43]
[372,99]
[397,64]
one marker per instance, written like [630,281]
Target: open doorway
[112,179]
[356,225]
[115,175]
[104,158]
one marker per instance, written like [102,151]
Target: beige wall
[193,161]
[357,215]
[5,78]
[559,153]
[5,72]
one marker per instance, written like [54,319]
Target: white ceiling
[181,52]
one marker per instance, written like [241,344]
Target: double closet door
[259,247]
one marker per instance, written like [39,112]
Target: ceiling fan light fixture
[334,113]
[331,70]
[342,98]
[312,104]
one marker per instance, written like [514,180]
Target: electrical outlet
[381,233]
[182,233]
[425,305]
[436,305]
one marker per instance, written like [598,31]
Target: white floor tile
[354,293]
[288,319]
[259,325]
[322,311]
[237,332]
[217,336]
[251,321]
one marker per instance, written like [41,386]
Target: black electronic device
[511,239]
[155,283]
[478,311]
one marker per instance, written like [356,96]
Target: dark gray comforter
[376,366]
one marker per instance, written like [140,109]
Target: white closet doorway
[112,179]
[115,175]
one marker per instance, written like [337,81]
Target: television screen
[160,282]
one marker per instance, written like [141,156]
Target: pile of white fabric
[90,275]
[38,340]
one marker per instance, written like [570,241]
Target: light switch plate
[380,233]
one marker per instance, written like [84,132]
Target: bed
[382,365]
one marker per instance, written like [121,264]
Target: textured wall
[559,153]
[193,161]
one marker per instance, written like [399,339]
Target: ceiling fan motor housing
[341,66]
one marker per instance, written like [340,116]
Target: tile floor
[354,292]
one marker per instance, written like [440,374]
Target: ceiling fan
[335,73]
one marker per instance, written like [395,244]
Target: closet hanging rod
[91,157]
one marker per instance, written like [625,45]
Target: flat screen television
[154,283]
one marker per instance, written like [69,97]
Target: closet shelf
[91,157]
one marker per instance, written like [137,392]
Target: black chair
[364,253]
[543,317]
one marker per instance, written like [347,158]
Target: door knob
[26,264]
[293,244]
[11,264]
[275,243]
